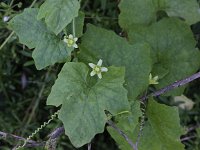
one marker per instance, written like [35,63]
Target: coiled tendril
[38,130]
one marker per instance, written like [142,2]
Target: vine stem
[33,3]
[11,3]
[142,122]
[188,138]
[73,27]
[37,130]
[8,135]
[173,86]
[12,33]
[134,147]
[6,40]
[57,132]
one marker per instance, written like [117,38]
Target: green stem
[33,3]
[7,39]
[11,3]
[74,28]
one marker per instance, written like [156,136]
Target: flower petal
[65,40]
[155,78]
[100,62]
[99,75]
[71,36]
[92,65]
[75,39]
[75,45]
[92,73]
[150,76]
[104,69]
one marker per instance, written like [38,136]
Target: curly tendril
[38,130]
[142,121]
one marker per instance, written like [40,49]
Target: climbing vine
[105,74]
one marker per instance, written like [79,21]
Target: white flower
[6,18]
[153,80]
[97,69]
[71,41]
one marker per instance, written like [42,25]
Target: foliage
[84,100]
[162,125]
[58,14]
[158,41]
[47,50]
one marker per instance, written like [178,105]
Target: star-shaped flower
[71,41]
[153,80]
[97,69]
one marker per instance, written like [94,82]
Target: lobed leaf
[49,49]
[84,100]
[131,11]
[162,131]
[58,13]
[173,45]
[115,50]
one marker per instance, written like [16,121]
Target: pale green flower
[71,41]
[153,80]
[97,69]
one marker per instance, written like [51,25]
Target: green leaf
[159,70]
[114,50]
[165,125]
[49,49]
[161,131]
[127,123]
[131,11]
[58,13]
[185,9]
[84,100]
[173,44]
[79,23]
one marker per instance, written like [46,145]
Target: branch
[56,133]
[37,144]
[122,134]
[193,128]
[166,89]
[188,138]
[30,143]
[173,86]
